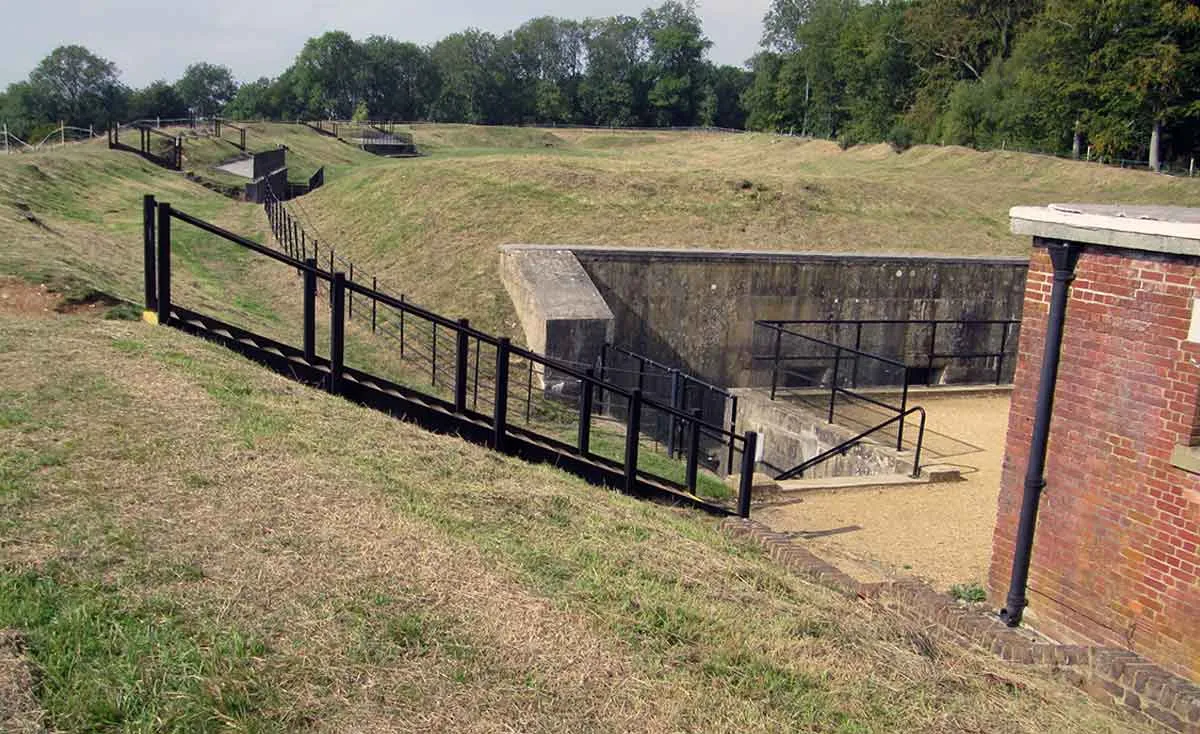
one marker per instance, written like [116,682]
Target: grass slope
[188,542]
[432,225]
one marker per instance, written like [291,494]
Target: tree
[77,86]
[614,89]
[677,66]
[729,83]
[465,65]
[159,99]
[206,88]
[548,60]
[400,80]
[328,75]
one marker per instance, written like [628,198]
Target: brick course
[1115,559]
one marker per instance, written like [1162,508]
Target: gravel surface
[939,532]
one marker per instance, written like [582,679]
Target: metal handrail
[848,444]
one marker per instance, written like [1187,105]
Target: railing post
[903,410]
[310,310]
[500,402]
[600,388]
[693,449]
[746,485]
[337,332]
[1000,356]
[833,385]
[920,442]
[732,432]
[671,417]
[164,264]
[775,360]
[148,207]
[374,302]
[433,360]
[461,359]
[857,350]
[401,328]
[632,426]
[932,349]
[585,411]
[350,295]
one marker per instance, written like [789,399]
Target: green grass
[972,592]
[108,663]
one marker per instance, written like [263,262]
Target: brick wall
[1115,559]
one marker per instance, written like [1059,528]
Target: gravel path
[939,532]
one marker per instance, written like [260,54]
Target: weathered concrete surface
[790,434]
[243,167]
[1168,229]
[696,308]
[561,312]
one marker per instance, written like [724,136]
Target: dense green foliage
[1054,75]
[1116,76]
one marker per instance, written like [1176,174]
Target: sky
[157,40]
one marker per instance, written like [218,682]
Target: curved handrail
[848,444]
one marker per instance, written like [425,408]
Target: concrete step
[929,475]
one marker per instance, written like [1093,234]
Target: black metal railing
[481,374]
[168,152]
[935,351]
[674,387]
[850,443]
[219,126]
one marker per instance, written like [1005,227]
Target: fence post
[1191,163]
[932,350]
[747,480]
[670,416]
[374,287]
[433,360]
[600,388]
[331,252]
[632,425]
[350,295]
[310,310]
[401,328]
[732,432]
[693,449]
[62,133]
[903,410]
[6,139]
[1000,357]
[462,357]
[337,332]
[164,264]
[833,384]
[500,403]
[857,349]
[775,361]
[148,207]
[585,411]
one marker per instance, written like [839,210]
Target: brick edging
[1110,675]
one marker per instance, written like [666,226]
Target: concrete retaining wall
[696,308]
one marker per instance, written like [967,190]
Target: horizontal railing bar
[848,444]
[249,244]
[850,350]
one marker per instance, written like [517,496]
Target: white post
[62,133]
[1191,163]
[158,122]
[91,131]
[6,138]
[1089,153]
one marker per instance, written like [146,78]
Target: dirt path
[939,532]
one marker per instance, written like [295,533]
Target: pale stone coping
[687,253]
[1186,458]
[1167,229]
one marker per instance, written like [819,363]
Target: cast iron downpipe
[1063,255]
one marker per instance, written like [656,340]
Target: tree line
[1117,78]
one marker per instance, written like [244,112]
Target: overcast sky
[156,40]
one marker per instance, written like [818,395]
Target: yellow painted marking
[150,317]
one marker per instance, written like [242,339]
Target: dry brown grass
[19,710]
[432,225]
[409,582]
